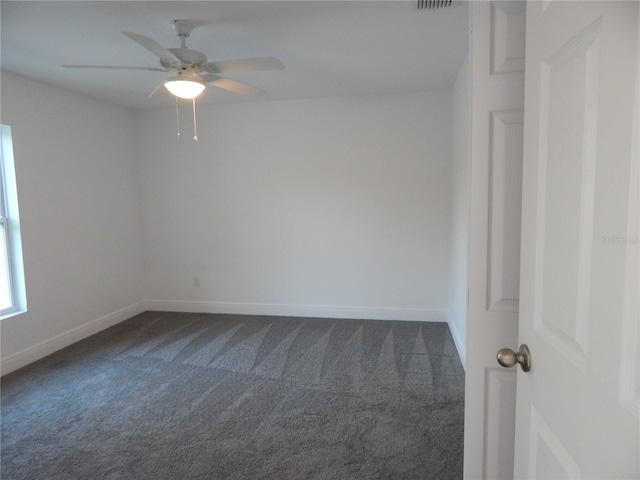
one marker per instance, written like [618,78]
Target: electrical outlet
[196,281]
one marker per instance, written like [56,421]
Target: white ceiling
[330,48]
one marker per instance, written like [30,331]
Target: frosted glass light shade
[184,88]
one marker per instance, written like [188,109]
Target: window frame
[10,228]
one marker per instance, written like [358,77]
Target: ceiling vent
[433,4]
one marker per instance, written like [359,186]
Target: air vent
[432,4]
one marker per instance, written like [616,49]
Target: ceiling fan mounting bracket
[183,28]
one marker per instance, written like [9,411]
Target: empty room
[319,239]
[277,288]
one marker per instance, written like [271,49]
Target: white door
[496,61]
[578,408]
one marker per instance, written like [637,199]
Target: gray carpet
[198,396]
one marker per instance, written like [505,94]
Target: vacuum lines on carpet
[201,396]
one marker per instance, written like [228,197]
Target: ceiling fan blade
[116,67]
[233,86]
[244,65]
[154,47]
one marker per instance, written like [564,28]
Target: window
[12,291]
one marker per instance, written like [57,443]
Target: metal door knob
[508,358]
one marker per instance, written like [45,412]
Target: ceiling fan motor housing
[190,59]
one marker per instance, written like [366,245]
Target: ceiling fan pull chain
[195,125]
[177,118]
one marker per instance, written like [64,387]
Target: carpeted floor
[174,396]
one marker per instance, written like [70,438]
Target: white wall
[459,210]
[336,207]
[79,202]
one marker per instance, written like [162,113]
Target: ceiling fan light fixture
[184,88]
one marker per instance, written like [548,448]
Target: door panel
[568,115]
[548,457]
[505,189]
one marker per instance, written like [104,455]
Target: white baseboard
[42,349]
[315,311]
[459,343]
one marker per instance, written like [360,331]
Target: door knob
[508,358]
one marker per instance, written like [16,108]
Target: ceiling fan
[192,72]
